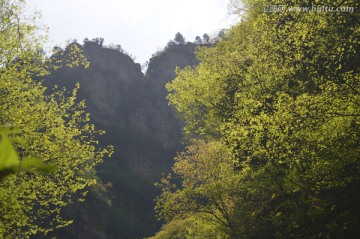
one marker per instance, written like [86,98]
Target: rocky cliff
[133,109]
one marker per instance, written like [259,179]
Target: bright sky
[141,27]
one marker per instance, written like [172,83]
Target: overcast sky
[141,27]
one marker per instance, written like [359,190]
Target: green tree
[52,128]
[282,92]
[9,160]
[209,190]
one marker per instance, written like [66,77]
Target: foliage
[9,159]
[280,94]
[53,130]
[179,38]
[209,187]
[196,227]
[97,40]
[206,38]
[145,66]
[121,50]
[198,40]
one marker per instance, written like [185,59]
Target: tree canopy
[179,38]
[51,129]
[272,118]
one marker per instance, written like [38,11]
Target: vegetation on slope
[50,129]
[272,118]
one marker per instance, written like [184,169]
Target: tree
[145,66]
[209,188]
[9,159]
[198,40]
[221,34]
[52,128]
[99,41]
[281,92]
[206,38]
[179,38]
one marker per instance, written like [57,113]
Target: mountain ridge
[132,108]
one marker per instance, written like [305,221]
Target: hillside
[133,110]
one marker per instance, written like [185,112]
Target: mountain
[132,108]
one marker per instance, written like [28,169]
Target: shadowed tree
[206,38]
[179,38]
[198,40]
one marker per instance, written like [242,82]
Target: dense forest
[269,112]
[48,149]
[272,119]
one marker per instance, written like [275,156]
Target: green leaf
[8,156]
[30,164]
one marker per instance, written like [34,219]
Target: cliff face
[161,70]
[162,66]
[133,109]
[111,78]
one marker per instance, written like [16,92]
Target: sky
[141,27]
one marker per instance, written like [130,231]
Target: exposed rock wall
[132,108]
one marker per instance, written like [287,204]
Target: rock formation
[133,109]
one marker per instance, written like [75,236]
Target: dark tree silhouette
[198,40]
[179,38]
[206,38]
